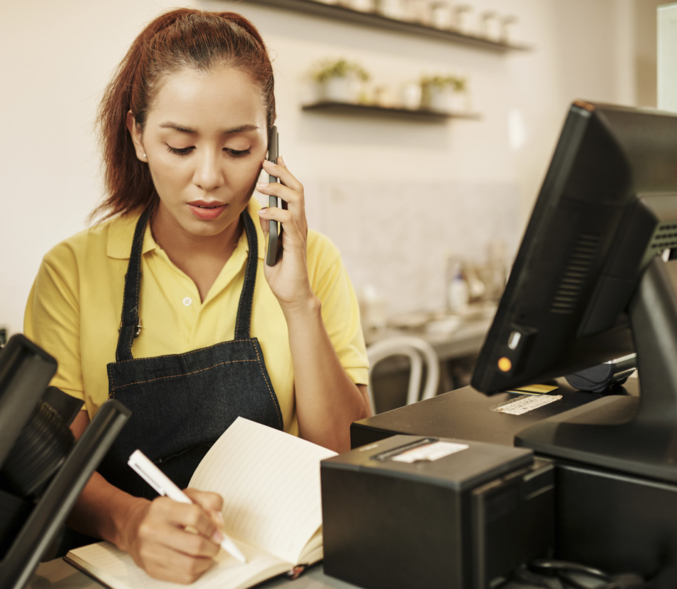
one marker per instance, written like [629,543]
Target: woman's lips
[206,211]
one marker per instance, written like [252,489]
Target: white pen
[164,486]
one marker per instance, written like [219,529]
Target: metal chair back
[419,352]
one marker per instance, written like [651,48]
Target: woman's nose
[208,173]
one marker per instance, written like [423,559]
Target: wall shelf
[402,113]
[373,19]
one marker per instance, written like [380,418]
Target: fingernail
[261,184]
[262,212]
[217,537]
[283,162]
[219,517]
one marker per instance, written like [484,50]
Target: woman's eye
[238,152]
[179,151]
[186,150]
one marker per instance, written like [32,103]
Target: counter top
[468,414]
[57,574]
[451,336]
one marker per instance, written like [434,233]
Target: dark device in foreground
[589,285]
[42,468]
[410,512]
[274,227]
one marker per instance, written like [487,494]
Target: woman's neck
[200,257]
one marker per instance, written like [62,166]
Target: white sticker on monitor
[430,452]
[525,404]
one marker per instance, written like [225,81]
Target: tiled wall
[396,236]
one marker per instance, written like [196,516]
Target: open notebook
[270,482]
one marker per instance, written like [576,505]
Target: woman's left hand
[288,279]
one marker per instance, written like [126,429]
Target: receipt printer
[409,512]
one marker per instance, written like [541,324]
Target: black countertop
[469,415]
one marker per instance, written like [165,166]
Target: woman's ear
[137,137]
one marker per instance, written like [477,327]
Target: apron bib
[182,403]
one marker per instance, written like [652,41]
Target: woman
[208,331]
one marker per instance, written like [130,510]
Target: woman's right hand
[174,541]
[153,532]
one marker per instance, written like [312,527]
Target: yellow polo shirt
[74,309]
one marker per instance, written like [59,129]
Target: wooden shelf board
[375,19]
[370,109]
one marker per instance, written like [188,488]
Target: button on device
[504,364]
[187,301]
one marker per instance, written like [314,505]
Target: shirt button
[187,301]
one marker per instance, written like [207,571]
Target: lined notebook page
[118,570]
[270,482]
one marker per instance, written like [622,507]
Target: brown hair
[176,39]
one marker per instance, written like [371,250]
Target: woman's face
[205,140]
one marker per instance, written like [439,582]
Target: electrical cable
[566,573]
[570,582]
[554,566]
[523,575]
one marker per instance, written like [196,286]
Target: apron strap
[129,324]
[244,309]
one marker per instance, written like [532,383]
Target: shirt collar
[121,233]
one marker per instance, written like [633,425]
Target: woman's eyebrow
[241,129]
[232,131]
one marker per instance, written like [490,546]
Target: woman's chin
[209,228]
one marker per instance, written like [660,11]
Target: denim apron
[182,403]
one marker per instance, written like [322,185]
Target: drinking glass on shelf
[440,15]
[363,5]
[508,26]
[490,27]
[391,8]
[417,11]
[463,19]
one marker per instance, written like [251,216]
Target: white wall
[398,177]
[667,57]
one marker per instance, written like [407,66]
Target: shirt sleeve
[52,318]
[340,309]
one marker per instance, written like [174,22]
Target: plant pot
[411,96]
[341,89]
[444,99]
[437,98]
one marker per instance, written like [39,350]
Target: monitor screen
[605,218]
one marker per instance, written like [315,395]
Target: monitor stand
[628,434]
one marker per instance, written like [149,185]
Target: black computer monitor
[589,284]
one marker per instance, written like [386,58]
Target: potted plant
[339,80]
[444,93]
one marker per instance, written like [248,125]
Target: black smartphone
[274,227]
